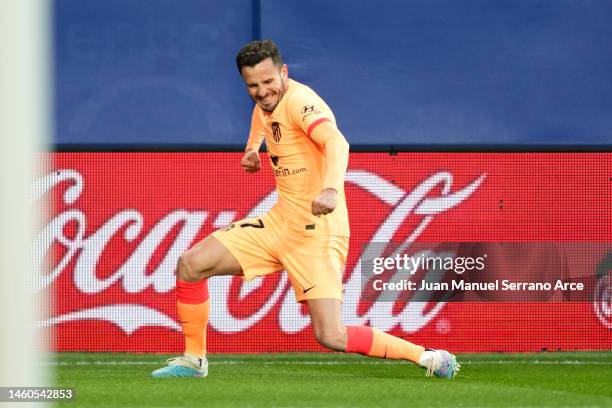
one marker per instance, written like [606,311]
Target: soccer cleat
[441,363]
[184,366]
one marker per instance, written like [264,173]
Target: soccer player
[306,233]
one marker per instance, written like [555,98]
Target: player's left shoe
[440,363]
[184,366]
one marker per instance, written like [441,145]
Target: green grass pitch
[337,380]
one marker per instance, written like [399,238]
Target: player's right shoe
[440,363]
[184,366]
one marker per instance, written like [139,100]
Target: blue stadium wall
[161,73]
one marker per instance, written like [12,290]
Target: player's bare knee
[332,339]
[185,269]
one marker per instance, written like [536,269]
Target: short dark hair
[255,52]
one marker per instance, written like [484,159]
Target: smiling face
[266,83]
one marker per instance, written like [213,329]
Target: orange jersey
[297,161]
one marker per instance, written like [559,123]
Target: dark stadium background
[161,73]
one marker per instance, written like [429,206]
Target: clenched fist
[325,202]
[250,161]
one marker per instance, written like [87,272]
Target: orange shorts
[266,244]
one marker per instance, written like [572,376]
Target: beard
[283,89]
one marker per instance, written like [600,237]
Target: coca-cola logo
[84,251]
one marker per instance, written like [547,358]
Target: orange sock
[193,308]
[375,343]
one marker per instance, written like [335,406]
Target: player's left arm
[336,153]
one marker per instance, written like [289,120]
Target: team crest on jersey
[276,132]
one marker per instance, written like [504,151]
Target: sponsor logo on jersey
[309,110]
[284,172]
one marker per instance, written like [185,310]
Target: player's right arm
[310,113]
[250,160]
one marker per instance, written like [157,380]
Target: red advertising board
[108,250]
